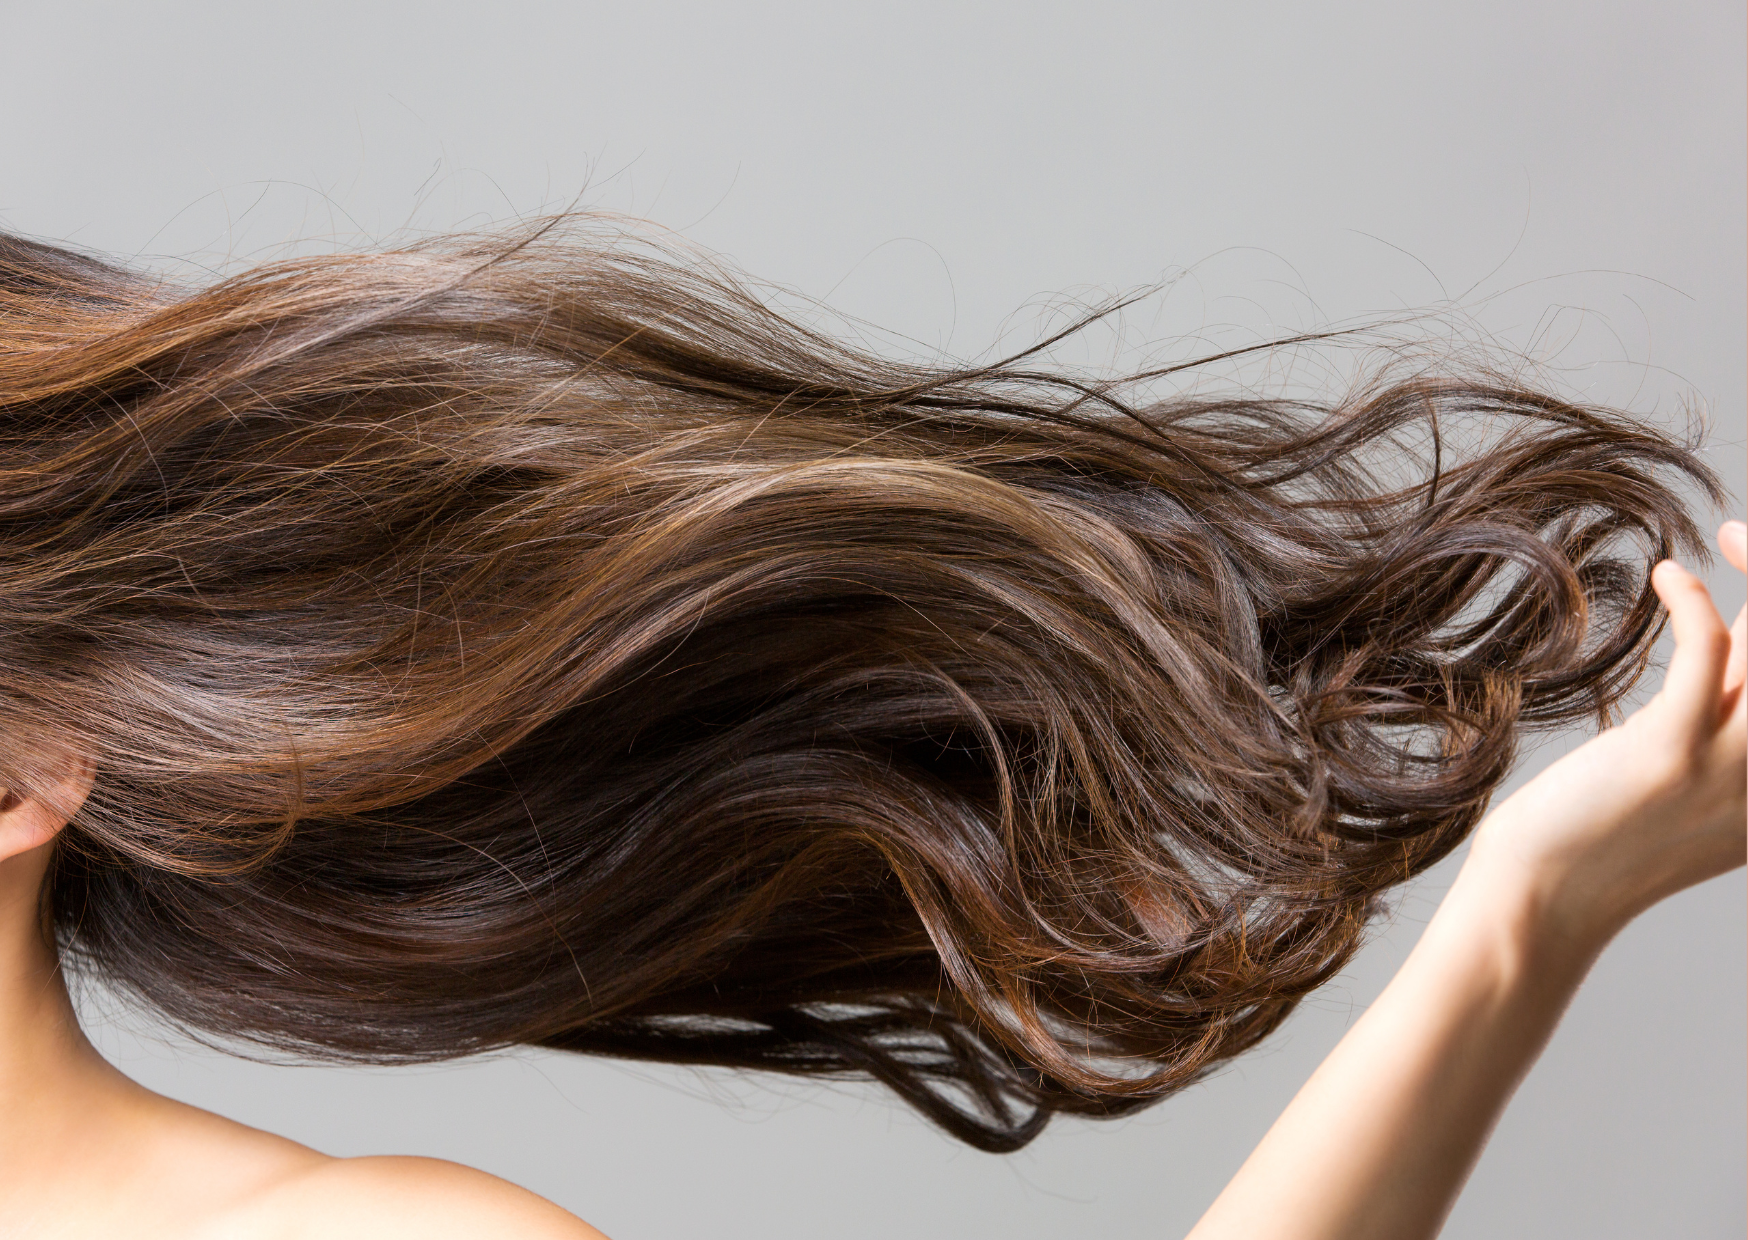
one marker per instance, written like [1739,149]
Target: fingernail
[1739,528]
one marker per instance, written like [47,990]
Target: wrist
[1527,918]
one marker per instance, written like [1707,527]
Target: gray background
[1566,179]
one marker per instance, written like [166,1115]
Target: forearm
[1380,1139]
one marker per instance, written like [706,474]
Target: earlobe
[27,823]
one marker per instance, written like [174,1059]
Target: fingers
[1733,541]
[1694,686]
[1737,672]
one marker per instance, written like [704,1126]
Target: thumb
[1694,685]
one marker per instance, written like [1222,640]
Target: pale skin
[1377,1143]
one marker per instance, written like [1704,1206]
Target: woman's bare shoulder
[386,1197]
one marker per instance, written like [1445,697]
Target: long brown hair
[536,639]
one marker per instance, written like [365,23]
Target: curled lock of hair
[539,640]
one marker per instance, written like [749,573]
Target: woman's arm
[1380,1139]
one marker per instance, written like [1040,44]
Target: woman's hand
[1377,1144]
[1652,806]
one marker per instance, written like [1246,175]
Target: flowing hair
[536,639]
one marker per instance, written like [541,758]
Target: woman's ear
[30,822]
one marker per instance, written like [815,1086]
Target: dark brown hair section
[538,640]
